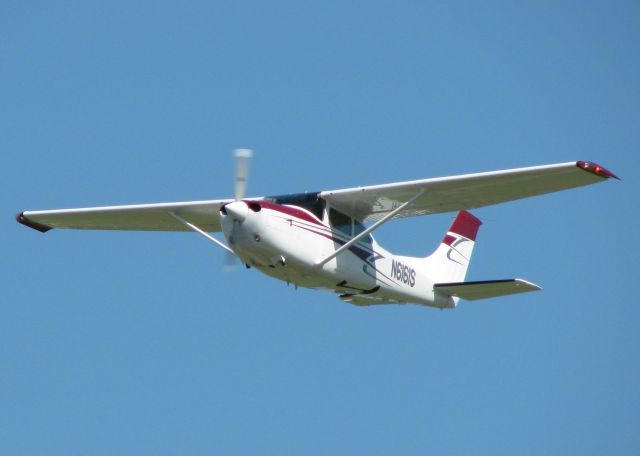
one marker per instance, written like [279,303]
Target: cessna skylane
[320,240]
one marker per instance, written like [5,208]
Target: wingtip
[31,224]
[526,283]
[596,169]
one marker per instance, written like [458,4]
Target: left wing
[468,191]
[137,217]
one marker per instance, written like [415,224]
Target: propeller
[243,157]
[231,262]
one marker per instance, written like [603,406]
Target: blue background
[139,343]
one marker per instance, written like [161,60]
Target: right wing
[137,217]
[468,191]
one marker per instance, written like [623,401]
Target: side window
[359,228]
[340,222]
[347,225]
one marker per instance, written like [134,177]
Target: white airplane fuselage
[286,242]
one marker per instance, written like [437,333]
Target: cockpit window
[359,228]
[347,225]
[340,221]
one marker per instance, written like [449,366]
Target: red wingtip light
[596,169]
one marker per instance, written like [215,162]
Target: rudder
[450,261]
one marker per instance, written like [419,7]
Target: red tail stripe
[466,224]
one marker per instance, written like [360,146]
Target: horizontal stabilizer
[364,300]
[485,289]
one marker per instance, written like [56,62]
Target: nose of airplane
[237,210]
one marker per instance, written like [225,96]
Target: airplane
[319,240]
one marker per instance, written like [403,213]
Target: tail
[451,259]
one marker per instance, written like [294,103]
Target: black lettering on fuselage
[403,273]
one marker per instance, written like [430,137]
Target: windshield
[309,201]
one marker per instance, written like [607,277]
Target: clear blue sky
[137,343]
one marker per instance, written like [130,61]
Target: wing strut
[202,232]
[376,225]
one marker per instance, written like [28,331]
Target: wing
[469,191]
[138,217]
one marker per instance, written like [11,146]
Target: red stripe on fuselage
[289,210]
[359,252]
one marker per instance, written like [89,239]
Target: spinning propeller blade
[231,262]
[243,156]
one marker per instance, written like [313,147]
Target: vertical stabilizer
[451,259]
